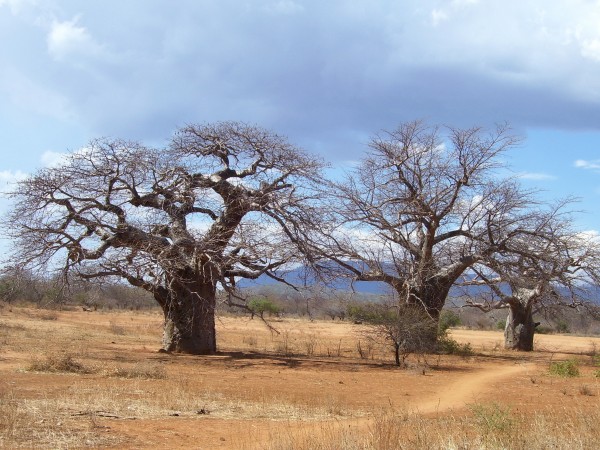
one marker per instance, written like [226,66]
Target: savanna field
[78,379]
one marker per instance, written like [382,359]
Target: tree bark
[431,297]
[190,319]
[520,328]
[397,354]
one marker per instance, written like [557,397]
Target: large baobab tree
[544,263]
[218,203]
[412,213]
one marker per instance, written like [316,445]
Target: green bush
[544,330]
[261,306]
[448,319]
[562,327]
[370,313]
[451,347]
[501,324]
[492,418]
[566,369]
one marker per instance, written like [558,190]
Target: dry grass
[489,427]
[98,381]
[142,370]
[44,424]
[60,362]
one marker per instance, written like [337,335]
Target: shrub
[407,329]
[448,319]
[261,306]
[58,363]
[567,368]
[501,324]
[451,347]
[492,418]
[139,371]
[117,329]
[562,327]
[586,390]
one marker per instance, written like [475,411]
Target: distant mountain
[299,277]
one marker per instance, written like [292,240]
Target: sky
[327,74]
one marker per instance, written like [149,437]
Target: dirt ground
[74,379]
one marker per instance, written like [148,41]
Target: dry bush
[285,346]
[584,389]
[142,371]
[48,315]
[61,362]
[251,341]
[116,329]
[310,344]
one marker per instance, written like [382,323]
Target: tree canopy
[217,203]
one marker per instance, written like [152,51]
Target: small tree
[218,203]
[406,328]
[261,306]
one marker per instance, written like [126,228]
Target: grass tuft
[492,418]
[567,369]
[584,389]
[63,362]
[139,371]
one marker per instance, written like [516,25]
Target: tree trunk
[431,297]
[518,334]
[397,354]
[190,319]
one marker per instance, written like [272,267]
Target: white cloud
[588,165]
[53,159]
[16,6]
[536,176]
[8,179]
[27,94]
[438,16]
[464,2]
[68,39]
[285,7]
[590,48]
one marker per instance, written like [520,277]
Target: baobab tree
[413,213]
[219,202]
[544,263]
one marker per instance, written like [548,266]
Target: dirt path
[468,388]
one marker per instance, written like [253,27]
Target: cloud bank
[326,73]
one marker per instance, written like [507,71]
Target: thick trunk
[431,298]
[397,354]
[190,319]
[518,334]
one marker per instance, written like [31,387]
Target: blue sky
[328,74]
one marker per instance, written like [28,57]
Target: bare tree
[413,213]
[407,329]
[218,203]
[544,263]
